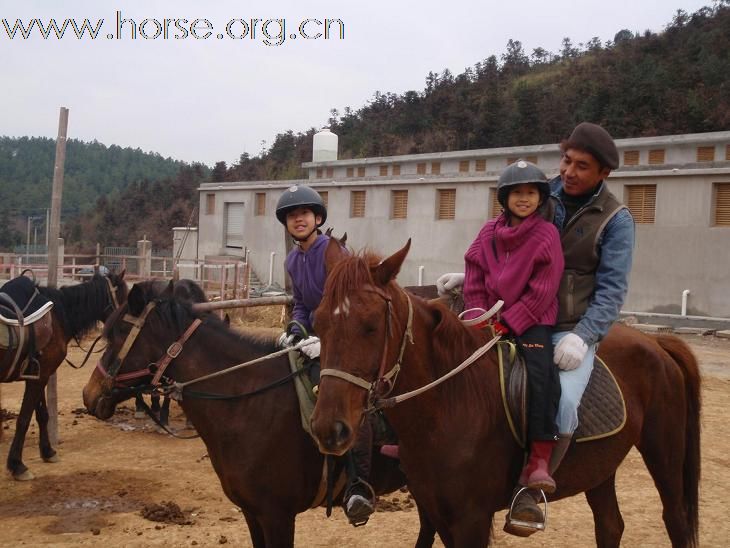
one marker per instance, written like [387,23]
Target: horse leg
[426,531]
[165,411]
[139,412]
[48,454]
[254,529]
[472,529]
[667,474]
[278,529]
[155,405]
[608,523]
[33,392]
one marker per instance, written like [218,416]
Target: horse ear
[343,240]
[388,268]
[333,254]
[137,300]
[227,320]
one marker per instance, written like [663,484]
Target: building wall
[680,250]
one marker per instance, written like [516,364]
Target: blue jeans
[572,385]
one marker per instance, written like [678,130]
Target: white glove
[312,347]
[447,282]
[569,352]
[285,340]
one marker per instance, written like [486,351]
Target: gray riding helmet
[300,196]
[518,173]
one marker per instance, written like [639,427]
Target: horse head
[133,333]
[363,323]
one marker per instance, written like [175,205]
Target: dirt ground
[116,478]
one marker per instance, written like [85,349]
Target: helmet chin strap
[299,241]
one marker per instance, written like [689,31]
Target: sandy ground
[113,474]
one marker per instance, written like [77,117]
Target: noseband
[384,382]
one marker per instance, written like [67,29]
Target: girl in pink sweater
[518,258]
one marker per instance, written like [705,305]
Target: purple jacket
[521,265]
[306,269]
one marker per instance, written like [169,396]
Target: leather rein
[384,382]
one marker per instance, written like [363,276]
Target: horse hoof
[24,476]
[52,458]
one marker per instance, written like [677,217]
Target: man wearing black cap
[597,233]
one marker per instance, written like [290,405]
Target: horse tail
[685,359]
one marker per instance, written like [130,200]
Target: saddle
[26,328]
[602,410]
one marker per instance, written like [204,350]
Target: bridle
[113,302]
[384,382]
[155,370]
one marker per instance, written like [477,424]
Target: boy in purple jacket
[518,258]
[302,211]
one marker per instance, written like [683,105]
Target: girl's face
[301,222]
[523,200]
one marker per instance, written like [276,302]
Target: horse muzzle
[333,439]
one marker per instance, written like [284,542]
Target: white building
[677,187]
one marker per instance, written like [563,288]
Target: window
[641,201]
[532,159]
[320,171]
[396,169]
[357,203]
[656,156]
[631,157]
[446,207]
[480,165]
[421,169]
[399,204]
[209,204]
[260,204]
[325,197]
[234,225]
[706,154]
[727,152]
[361,171]
[436,168]
[350,171]
[495,208]
[512,159]
[383,171]
[722,204]
[330,172]
[464,166]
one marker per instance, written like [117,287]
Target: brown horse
[76,311]
[249,419]
[455,444]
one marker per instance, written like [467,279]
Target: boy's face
[301,222]
[580,172]
[523,200]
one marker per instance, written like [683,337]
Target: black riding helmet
[300,196]
[518,173]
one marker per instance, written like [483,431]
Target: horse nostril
[342,433]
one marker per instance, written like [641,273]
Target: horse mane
[348,275]
[178,314]
[452,343]
[78,307]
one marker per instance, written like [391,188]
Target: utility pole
[54,233]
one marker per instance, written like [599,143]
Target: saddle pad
[23,292]
[602,411]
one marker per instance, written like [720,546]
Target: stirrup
[31,370]
[524,528]
[357,520]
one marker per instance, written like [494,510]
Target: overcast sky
[210,99]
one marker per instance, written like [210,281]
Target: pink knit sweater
[525,273]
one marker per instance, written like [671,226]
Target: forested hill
[676,81]
[91,170]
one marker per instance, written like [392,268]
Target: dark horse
[455,445]
[249,419]
[76,311]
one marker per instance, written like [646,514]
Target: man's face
[580,172]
